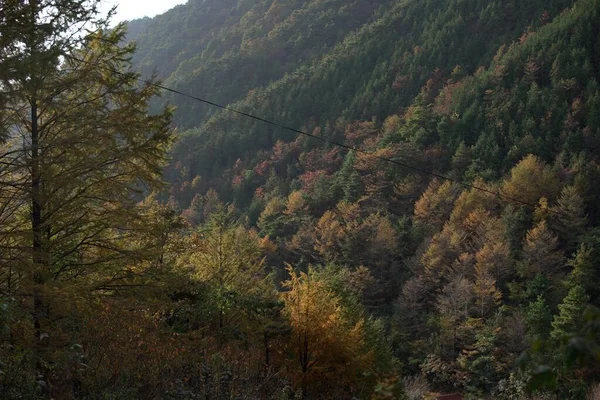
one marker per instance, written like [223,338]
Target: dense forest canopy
[442,236]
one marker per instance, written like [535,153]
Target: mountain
[476,246]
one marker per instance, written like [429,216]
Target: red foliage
[545,18]
[443,102]
[283,151]
[310,178]
[400,82]
[321,160]
[238,179]
[262,168]
[433,85]
[359,131]
[259,192]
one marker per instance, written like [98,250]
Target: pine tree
[461,160]
[538,318]
[347,180]
[352,187]
[583,273]
[569,219]
[570,318]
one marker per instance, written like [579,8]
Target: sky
[132,9]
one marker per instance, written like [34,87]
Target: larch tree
[541,253]
[325,344]
[453,307]
[530,180]
[230,260]
[79,150]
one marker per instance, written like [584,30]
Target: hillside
[374,70]
[502,95]
[429,223]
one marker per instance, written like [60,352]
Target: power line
[328,141]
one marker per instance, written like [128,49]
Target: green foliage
[569,321]
[538,317]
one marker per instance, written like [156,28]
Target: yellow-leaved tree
[79,148]
[325,346]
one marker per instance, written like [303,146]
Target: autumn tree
[229,260]
[541,253]
[453,305]
[530,180]
[349,237]
[486,295]
[80,151]
[272,221]
[325,344]
[436,203]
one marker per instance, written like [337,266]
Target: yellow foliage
[229,258]
[439,257]
[436,203]
[329,232]
[267,245]
[486,294]
[541,253]
[296,203]
[530,180]
[273,208]
[496,259]
[345,233]
[470,200]
[326,347]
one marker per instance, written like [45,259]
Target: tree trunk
[40,308]
[267,350]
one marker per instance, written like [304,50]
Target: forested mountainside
[500,95]
[443,236]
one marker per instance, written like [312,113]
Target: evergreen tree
[538,318]
[461,161]
[570,318]
[583,273]
[352,187]
[569,218]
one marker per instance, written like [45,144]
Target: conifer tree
[229,261]
[325,344]
[80,150]
[352,187]
[461,160]
[538,318]
[570,318]
[541,252]
[569,218]
[583,269]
